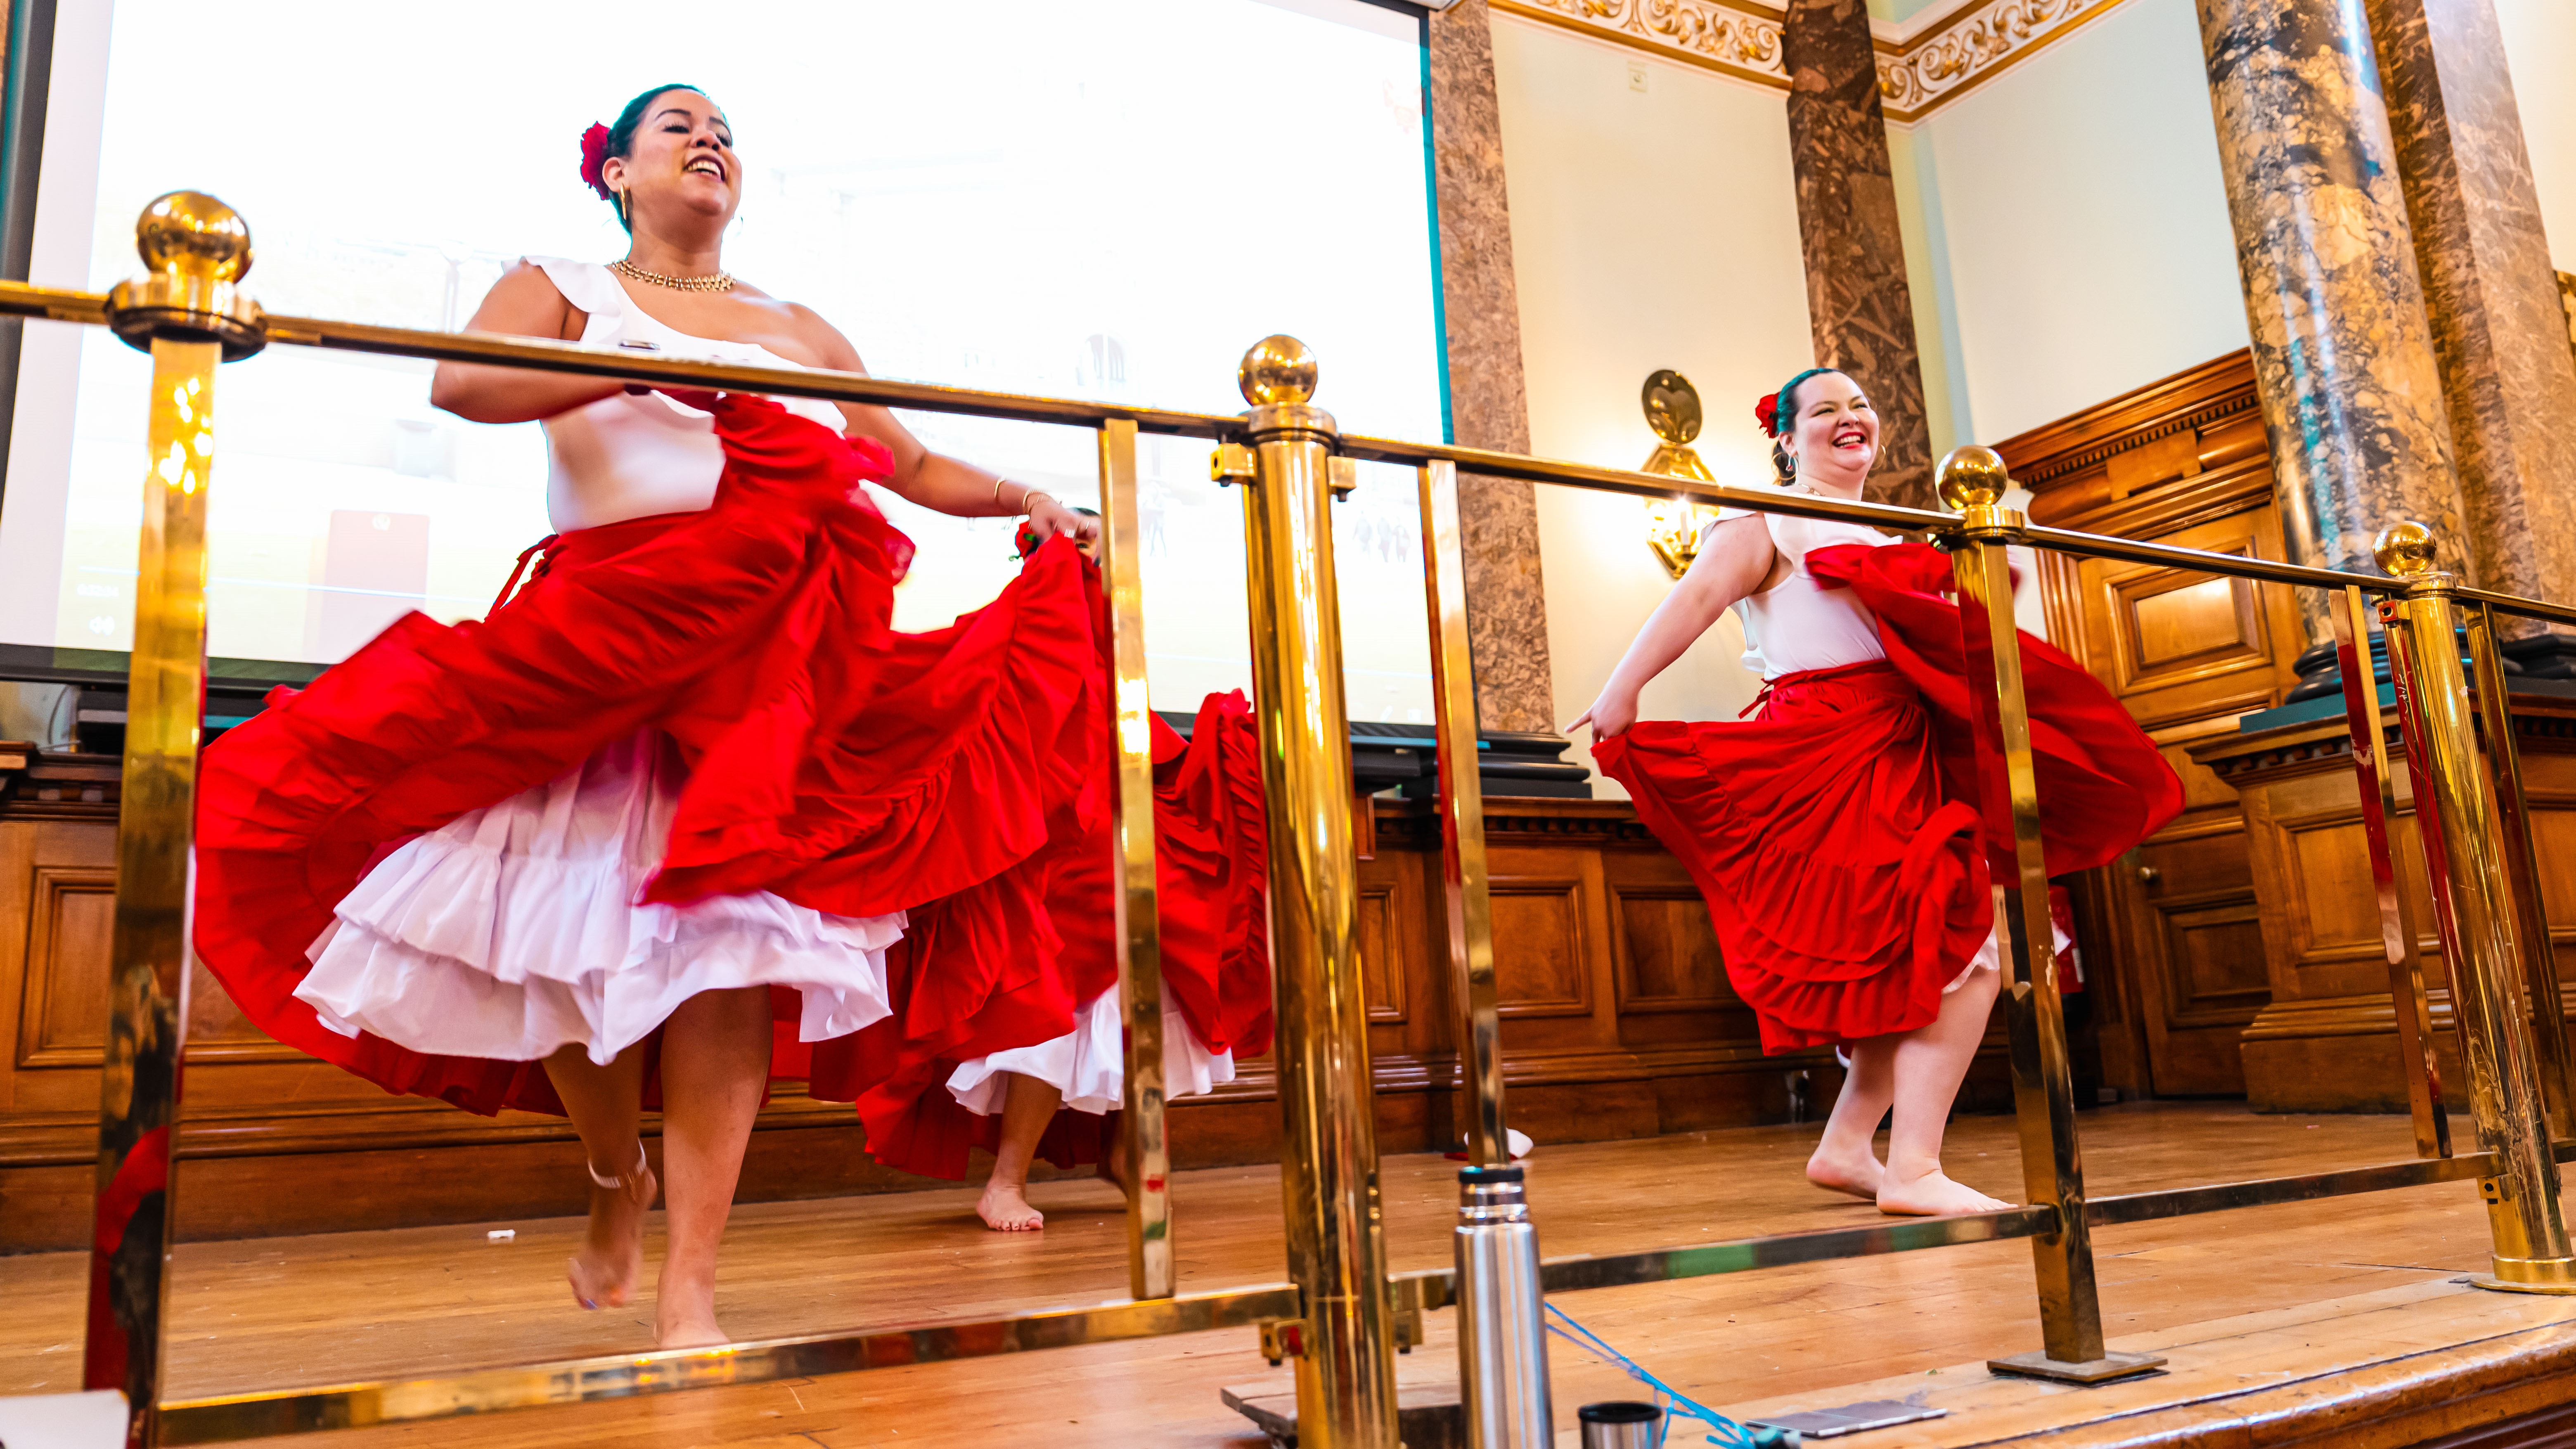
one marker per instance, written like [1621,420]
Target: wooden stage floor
[280,1311]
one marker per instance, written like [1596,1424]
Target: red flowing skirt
[1211,853]
[832,761]
[1211,846]
[1836,836]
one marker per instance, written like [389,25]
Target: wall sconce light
[1673,524]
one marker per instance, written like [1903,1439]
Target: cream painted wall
[2077,201]
[1651,228]
[1927,284]
[2540,46]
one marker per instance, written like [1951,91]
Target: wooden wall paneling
[1668,973]
[2326,1041]
[17,889]
[2179,972]
[1619,1024]
[1544,944]
[71,911]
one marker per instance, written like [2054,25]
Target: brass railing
[1342,1313]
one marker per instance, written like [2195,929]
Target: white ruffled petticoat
[1089,1064]
[516,929]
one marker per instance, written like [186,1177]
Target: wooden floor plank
[267,1312]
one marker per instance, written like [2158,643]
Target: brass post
[2349,612]
[1972,480]
[1139,929]
[2473,902]
[2539,953]
[188,315]
[1462,818]
[1328,1174]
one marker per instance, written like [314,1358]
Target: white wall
[2066,239]
[1927,285]
[2540,46]
[2078,202]
[1650,228]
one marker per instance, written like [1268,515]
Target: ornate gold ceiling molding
[1920,65]
[1738,37]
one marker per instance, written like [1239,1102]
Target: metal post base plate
[2102,1370]
[2508,1285]
[2527,1275]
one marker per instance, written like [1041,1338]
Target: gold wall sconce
[1673,524]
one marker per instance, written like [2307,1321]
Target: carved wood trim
[1623,976]
[1567,889]
[1389,969]
[1920,65]
[2191,398]
[49,889]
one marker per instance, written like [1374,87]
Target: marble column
[2499,328]
[1858,305]
[2343,353]
[1506,598]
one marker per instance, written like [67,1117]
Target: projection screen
[1106,199]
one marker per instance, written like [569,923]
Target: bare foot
[1113,1163]
[1004,1207]
[603,1273]
[697,1332]
[684,1309]
[1933,1195]
[1858,1174]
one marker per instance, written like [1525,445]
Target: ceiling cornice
[1922,64]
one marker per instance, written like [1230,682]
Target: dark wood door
[2173,940]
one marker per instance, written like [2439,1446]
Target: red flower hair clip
[1767,413]
[594,159]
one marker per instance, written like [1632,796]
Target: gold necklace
[720,282]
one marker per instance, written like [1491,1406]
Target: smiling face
[1834,435]
[681,164]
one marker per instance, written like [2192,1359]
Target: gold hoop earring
[622,220]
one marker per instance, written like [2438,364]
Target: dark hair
[1784,417]
[621,133]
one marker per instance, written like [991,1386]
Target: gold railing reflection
[1342,1313]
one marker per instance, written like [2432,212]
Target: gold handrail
[261,1413]
[1344,1303]
[19,299]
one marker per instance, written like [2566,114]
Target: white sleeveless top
[629,456]
[1797,624]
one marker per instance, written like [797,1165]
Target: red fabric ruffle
[1836,836]
[1212,863]
[2103,785]
[838,764]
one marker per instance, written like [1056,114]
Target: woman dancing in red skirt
[1058,1100]
[1836,836]
[684,814]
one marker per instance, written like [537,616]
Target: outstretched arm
[935,480]
[523,304]
[1737,561]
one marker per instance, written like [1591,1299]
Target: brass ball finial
[1672,407]
[1277,371]
[191,232]
[2404,550]
[1970,476]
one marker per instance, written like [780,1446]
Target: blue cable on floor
[1675,1404]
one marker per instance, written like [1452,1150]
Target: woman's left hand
[1049,519]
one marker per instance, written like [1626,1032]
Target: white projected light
[1027,195]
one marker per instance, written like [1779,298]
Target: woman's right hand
[1609,715]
